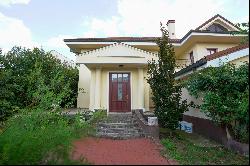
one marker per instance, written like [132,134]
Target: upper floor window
[217,28]
[191,56]
[211,51]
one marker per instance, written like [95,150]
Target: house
[202,124]
[113,70]
[62,58]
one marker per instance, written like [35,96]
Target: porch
[114,78]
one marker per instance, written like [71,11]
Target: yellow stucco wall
[200,50]
[192,111]
[84,82]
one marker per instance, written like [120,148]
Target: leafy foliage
[35,79]
[166,94]
[225,92]
[33,87]
[38,135]
[244,29]
[42,137]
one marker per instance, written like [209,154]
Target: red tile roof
[226,52]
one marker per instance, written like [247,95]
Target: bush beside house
[225,94]
[34,86]
[34,78]
[36,136]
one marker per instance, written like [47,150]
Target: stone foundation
[149,131]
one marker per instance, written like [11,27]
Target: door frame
[108,89]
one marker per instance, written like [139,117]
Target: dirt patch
[123,152]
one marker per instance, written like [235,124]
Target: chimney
[171,29]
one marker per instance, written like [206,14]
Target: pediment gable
[217,24]
[118,50]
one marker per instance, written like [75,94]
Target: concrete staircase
[119,126]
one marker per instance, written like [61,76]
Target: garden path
[103,151]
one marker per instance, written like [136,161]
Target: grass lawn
[192,149]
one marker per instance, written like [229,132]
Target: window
[216,28]
[119,92]
[114,77]
[191,56]
[211,51]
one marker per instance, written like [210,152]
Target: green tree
[34,78]
[166,93]
[225,93]
[244,29]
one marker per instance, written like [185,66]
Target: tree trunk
[229,137]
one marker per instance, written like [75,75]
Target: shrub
[225,92]
[42,137]
[34,78]
[31,136]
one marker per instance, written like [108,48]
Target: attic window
[217,28]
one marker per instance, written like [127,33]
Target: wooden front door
[119,92]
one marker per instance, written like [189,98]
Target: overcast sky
[45,23]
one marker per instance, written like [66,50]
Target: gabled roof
[153,39]
[213,18]
[138,39]
[207,58]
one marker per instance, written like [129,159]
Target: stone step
[120,115]
[119,121]
[119,130]
[116,125]
[119,126]
[118,135]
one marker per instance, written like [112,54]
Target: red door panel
[119,92]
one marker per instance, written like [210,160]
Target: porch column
[92,91]
[98,88]
[140,89]
[147,96]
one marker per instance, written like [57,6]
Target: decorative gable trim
[114,45]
